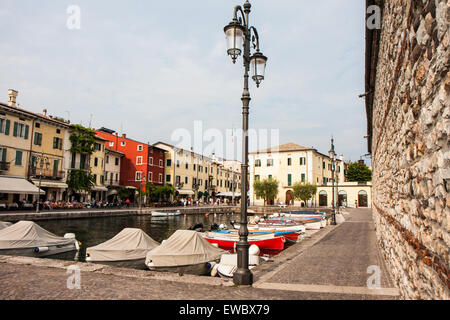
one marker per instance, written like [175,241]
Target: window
[168,163]
[289,180]
[83,161]
[58,131]
[21,130]
[116,161]
[37,139]
[270,177]
[117,177]
[257,178]
[289,161]
[140,147]
[122,143]
[194,167]
[4,126]
[97,146]
[178,163]
[269,162]
[160,178]
[167,177]
[138,175]
[57,143]
[178,179]
[303,177]
[102,179]
[150,161]
[187,166]
[323,165]
[37,125]
[18,160]
[107,159]
[150,176]
[302,161]
[186,180]
[111,176]
[111,144]
[95,179]
[257,163]
[160,163]
[95,162]
[72,162]
[139,160]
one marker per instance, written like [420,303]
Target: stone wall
[410,146]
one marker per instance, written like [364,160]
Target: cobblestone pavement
[330,264]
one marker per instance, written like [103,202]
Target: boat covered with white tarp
[4,224]
[128,248]
[186,251]
[26,238]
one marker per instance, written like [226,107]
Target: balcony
[4,166]
[46,173]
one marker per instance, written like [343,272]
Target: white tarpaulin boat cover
[128,244]
[27,234]
[4,224]
[184,247]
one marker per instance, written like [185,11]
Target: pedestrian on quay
[127,202]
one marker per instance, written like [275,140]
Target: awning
[17,185]
[190,192]
[50,184]
[112,191]
[98,188]
[228,194]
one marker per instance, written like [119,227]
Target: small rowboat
[267,241]
[166,213]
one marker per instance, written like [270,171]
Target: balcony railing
[46,173]
[4,166]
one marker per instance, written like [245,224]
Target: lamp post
[43,161]
[332,155]
[240,36]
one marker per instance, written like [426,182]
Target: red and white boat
[266,241]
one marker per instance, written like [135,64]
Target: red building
[142,162]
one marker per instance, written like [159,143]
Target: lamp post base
[243,277]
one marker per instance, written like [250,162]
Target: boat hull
[198,269]
[275,243]
[165,214]
[66,252]
[138,264]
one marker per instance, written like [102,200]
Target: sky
[156,70]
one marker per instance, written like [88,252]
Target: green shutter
[18,161]
[27,128]
[15,129]
[3,154]
[7,126]
[289,179]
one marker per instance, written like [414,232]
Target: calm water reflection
[93,231]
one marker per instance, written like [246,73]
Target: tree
[304,191]
[124,193]
[80,180]
[358,171]
[266,189]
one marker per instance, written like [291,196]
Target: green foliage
[304,191]
[124,193]
[82,139]
[159,193]
[358,171]
[266,189]
[80,180]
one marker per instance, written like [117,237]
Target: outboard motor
[197,227]
[232,222]
[223,227]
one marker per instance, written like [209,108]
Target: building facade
[113,161]
[290,163]
[408,113]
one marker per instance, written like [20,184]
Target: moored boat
[127,249]
[264,241]
[26,238]
[186,251]
[165,213]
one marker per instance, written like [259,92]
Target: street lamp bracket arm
[255,38]
[242,18]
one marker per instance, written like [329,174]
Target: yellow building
[193,175]
[347,194]
[27,153]
[97,167]
[290,163]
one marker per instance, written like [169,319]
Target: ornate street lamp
[43,161]
[332,155]
[240,37]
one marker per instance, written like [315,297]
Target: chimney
[44,112]
[12,94]
[124,135]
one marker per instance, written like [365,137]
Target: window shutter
[7,126]
[27,128]
[18,161]
[60,144]
[4,154]
[15,129]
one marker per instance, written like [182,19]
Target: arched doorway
[289,197]
[362,199]
[342,198]
[323,199]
